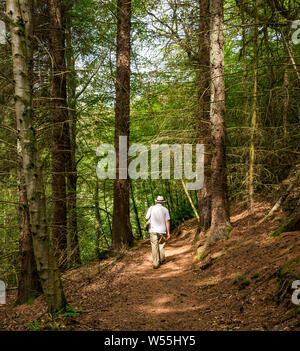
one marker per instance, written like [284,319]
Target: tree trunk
[60,130]
[121,227]
[253,118]
[245,85]
[98,218]
[220,219]
[74,253]
[136,212]
[19,12]
[29,284]
[285,101]
[106,208]
[204,194]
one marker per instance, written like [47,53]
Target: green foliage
[164,109]
[31,299]
[34,326]
[210,262]
[43,325]
[56,321]
[70,311]
[255,276]
[242,282]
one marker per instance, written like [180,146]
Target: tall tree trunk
[220,216]
[204,194]
[71,166]
[19,12]
[29,284]
[121,227]
[253,118]
[245,84]
[60,130]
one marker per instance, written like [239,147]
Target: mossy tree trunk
[29,284]
[19,12]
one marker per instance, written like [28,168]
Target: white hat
[160,199]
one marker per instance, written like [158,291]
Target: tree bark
[253,117]
[121,227]
[204,194]
[98,218]
[220,217]
[29,284]
[60,130]
[19,12]
[285,101]
[71,166]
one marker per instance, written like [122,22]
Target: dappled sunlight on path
[232,287]
[147,298]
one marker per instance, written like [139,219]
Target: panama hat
[160,199]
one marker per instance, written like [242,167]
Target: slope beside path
[239,284]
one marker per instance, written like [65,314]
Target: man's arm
[168,229]
[148,214]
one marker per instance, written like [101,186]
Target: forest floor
[243,283]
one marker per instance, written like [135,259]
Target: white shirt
[158,216]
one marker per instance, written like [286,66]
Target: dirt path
[240,284]
[141,298]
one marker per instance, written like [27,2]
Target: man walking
[159,230]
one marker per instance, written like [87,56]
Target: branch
[91,77]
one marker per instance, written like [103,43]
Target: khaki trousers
[158,242]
